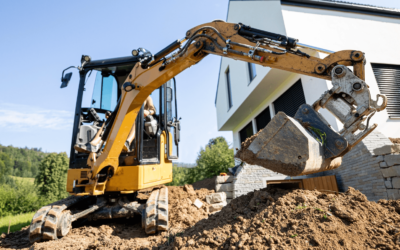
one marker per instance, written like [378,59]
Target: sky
[41,38]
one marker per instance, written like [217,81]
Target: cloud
[26,118]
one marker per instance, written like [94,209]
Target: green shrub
[20,198]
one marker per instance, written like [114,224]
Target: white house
[248,95]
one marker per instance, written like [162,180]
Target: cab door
[171,121]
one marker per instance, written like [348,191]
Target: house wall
[336,30]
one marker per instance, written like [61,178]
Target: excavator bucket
[287,147]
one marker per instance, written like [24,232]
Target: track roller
[155,213]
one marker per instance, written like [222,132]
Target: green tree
[52,176]
[2,168]
[9,164]
[214,159]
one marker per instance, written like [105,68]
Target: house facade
[249,95]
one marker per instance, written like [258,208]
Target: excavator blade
[286,147]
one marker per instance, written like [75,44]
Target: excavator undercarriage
[55,220]
[104,181]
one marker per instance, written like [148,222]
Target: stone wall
[252,177]
[373,167]
[364,166]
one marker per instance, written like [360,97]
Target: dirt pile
[123,233]
[264,219]
[299,219]
[395,140]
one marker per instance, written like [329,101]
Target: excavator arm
[349,100]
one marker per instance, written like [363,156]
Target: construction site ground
[264,219]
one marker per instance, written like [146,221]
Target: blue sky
[41,38]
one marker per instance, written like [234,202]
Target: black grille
[388,79]
[84,174]
[263,119]
[246,132]
[291,100]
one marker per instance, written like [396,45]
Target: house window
[252,71]
[263,119]
[246,132]
[291,100]
[228,87]
[388,79]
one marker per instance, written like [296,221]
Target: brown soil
[206,183]
[265,219]
[122,233]
[395,140]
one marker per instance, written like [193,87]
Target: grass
[23,179]
[17,222]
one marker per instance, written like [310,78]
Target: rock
[198,203]
[228,201]
[224,179]
[393,194]
[216,198]
[379,158]
[383,164]
[396,182]
[216,207]
[387,149]
[228,187]
[389,172]
[388,183]
[392,160]
[189,189]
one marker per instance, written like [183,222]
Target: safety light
[135,52]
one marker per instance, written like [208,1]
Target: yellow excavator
[104,180]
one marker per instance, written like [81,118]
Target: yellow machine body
[127,179]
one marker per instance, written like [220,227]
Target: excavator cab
[98,99]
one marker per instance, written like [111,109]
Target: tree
[7,162]
[215,158]
[51,178]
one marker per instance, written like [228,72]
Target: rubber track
[44,222]
[155,215]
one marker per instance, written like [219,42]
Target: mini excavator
[106,182]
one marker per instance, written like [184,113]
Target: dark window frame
[252,71]
[266,113]
[289,98]
[229,88]
[243,130]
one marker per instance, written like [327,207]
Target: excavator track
[52,220]
[155,213]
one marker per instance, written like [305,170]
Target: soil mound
[123,233]
[395,140]
[264,219]
[299,219]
